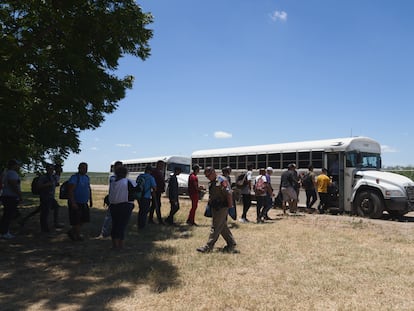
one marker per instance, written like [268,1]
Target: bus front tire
[369,204]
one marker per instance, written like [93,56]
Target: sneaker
[204,249]
[267,218]
[191,223]
[8,236]
[243,220]
[230,249]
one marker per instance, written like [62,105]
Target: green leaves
[57,63]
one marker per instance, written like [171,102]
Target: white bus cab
[137,166]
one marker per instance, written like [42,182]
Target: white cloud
[124,145]
[221,134]
[94,148]
[279,15]
[388,149]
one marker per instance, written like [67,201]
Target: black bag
[307,182]
[35,186]
[207,212]
[278,202]
[63,191]
[241,181]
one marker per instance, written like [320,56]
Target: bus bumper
[399,204]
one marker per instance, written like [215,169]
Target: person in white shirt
[121,204]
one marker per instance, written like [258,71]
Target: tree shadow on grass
[57,273]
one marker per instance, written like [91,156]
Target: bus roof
[181,159]
[363,144]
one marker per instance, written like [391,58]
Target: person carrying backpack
[308,183]
[145,201]
[260,190]
[80,194]
[107,222]
[45,187]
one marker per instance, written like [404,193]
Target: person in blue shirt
[144,203]
[80,194]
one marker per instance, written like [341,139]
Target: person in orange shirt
[322,183]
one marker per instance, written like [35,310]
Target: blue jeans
[106,226]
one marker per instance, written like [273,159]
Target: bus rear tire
[369,204]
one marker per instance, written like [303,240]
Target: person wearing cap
[220,200]
[150,186]
[194,192]
[11,197]
[288,184]
[173,195]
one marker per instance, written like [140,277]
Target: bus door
[336,171]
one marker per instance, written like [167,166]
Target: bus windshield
[363,160]
[185,168]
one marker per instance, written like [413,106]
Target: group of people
[123,193]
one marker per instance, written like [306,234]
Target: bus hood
[383,178]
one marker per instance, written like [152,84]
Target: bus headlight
[394,193]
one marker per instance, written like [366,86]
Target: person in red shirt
[193,192]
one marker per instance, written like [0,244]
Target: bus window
[261,161]
[232,162]
[288,158]
[351,159]
[241,162]
[371,160]
[317,158]
[223,163]
[251,159]
[274,160]
[304,159]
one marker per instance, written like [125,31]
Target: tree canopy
[58,71]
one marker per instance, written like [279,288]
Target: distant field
[96,178]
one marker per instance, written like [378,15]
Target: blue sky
[246,72]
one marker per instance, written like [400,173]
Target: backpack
[35,185]
[139,189]
[63,190]
[260,186]
[307,182]
[241,181]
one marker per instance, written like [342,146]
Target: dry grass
[307,262]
